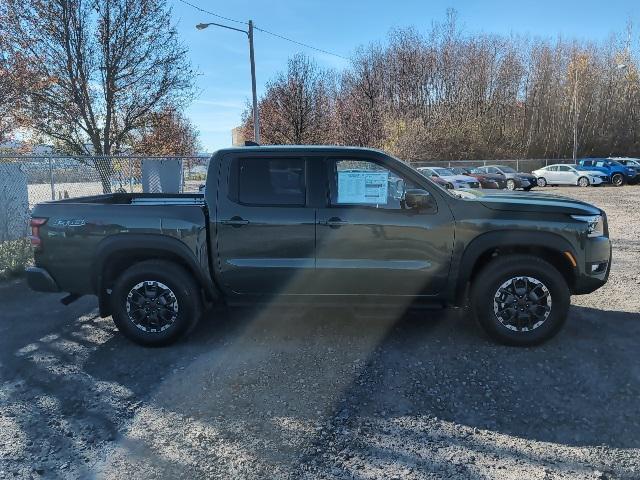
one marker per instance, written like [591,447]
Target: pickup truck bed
[89,229]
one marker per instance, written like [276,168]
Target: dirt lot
[328,394]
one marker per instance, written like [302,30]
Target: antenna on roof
[250,143]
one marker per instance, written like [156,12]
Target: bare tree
[167,133]
[444,94]
[297,106]
[102,67]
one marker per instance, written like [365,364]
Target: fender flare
[463,263]
[154,245]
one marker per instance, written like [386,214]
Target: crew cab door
[370,243]
[265,230]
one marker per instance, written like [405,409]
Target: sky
[221,56]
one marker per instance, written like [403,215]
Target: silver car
[562,174]
[453,180]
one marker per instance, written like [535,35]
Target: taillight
[36,223]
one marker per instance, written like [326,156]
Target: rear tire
[155,302]
[617,180]
[542,182]
[520,318]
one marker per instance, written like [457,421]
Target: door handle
[335,222]
[235,221]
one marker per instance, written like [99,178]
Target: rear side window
[270,181]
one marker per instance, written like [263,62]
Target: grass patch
[15,255]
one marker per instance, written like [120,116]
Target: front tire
[583,182]
[155,302]
[511,184]
[542,182]
[520,300]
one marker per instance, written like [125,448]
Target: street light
[249,33]
[619,66]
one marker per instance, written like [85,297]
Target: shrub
[15,255]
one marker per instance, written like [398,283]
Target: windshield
[507,169]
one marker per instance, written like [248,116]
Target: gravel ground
[274,393]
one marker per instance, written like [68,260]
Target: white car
[453,180]
[562,174]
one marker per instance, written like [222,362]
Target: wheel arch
[485,247]
[118,252]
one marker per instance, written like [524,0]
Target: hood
[592,168]
[533,202]
[528,176]
[593,173]
[460,178]
[490,176]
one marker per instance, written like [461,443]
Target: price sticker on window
[363,187]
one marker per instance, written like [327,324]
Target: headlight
[595,225]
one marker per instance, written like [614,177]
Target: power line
[300,43]
[211,13]
[277,35]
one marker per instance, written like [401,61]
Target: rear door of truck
[264,224]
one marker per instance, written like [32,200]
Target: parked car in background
[561,174]
[514,179]
[453,180]
[487,180]
[616,171]
[630,162]
[441,182]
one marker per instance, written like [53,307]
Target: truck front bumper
[595,271]
[39,280]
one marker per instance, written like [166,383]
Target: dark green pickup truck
[321,225]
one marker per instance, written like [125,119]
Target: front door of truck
[265,228]
[370,242]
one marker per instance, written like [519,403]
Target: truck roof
[306,148]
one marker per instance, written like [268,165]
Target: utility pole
[256,120]
[249,33]
[575,117]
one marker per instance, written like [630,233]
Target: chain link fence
[522,165]
[28,180]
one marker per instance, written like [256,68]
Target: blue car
[629,162]
[617,172]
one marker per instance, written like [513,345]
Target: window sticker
[363,187]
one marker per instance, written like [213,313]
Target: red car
[487,180]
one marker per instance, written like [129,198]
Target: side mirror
[419,199]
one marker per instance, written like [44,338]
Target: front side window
[564,168]
[271,181]
[365,183]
